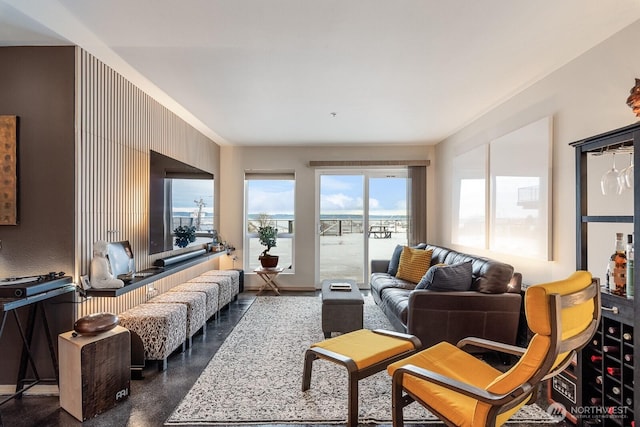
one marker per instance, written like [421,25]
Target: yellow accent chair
[464,391]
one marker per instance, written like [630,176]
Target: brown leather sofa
[490,310]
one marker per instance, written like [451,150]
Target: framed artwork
[84,283]
[520,195]
[469,198]
[501,193]
[8,170]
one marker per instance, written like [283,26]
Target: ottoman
[195,302]
[363,353]
[225,287]
[159,328]
[342,310]
[211,291]
[234,275]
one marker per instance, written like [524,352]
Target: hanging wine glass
[609,183]
[628,172]
[622,181]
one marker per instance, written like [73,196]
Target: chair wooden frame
[355,374]
[503,402]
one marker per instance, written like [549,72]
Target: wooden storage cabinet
[605,380]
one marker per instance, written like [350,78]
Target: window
[179,195]
[269,200]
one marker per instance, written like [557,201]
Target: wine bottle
[627,336]
[595,358]
[599,379]
[595,401]
[611,349]
[614,372]
[629,273]
[628,357]
[595,342]
[628,401]
[613,330]
[615,390]
[617,268]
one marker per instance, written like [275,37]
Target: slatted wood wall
[116,126]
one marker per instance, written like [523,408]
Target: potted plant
[185,234]
[267,235]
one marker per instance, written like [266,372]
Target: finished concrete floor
[152,399]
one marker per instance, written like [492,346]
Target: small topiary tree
[267,235]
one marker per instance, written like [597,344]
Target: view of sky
[185,192]
[339,194]
[343,194]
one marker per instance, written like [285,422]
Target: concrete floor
[152,399]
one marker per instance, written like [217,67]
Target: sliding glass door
[362,215]
[387,214]
[340,227]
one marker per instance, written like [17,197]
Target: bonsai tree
[185,234]
[267,235]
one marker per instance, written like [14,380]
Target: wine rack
[604,375]
[608,368]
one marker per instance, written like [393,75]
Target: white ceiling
[271,72]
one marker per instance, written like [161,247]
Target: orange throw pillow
[414,263]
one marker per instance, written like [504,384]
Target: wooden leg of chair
[352,417]
[396,401]
[309,357]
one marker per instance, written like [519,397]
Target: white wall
[585,97]
[234,161]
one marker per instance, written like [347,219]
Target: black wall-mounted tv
[179,194]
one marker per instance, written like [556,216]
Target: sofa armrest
[379,265]
[515,285]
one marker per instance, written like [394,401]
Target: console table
[150,275]
[35,304]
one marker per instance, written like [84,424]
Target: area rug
[256,375]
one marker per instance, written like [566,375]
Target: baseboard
[37,390]
[281,288]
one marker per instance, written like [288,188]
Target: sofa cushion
[440,277]
[489,276]
[382,281]
[493,277]
[414,263]
[396,300]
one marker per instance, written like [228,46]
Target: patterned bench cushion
[196,303]
[227,288]
[161,327]
[234,275]
[211,291]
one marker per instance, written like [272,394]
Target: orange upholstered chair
[462,390]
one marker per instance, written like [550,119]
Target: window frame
[248,236]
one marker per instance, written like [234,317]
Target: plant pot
[268,261]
